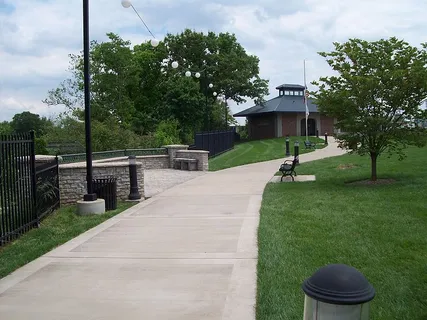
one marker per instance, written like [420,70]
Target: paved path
[187,253]
[159,180]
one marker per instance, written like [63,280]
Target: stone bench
[185,164]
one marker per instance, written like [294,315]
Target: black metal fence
[78,157]
[27,194]
[216,142]
[47,188]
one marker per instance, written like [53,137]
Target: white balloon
[174,64]
[126,3]
[210,85]
[154,42]
[197,75]
[188,74]
[215,94]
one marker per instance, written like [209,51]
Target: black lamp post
[337,291]
[296,152]
[133,179]
[89,196]
[288,152]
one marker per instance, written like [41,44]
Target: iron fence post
[33,175]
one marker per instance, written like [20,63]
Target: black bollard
[337,291]
[296,152]
[288,151]
[317,133]
[326,138]
[133,178]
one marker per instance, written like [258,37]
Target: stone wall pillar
[172,149]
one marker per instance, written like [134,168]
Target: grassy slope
[58,228]
[381,230]
[257,151]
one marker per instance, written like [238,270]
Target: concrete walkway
[187,253]
[159,180]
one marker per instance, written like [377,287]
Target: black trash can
[106,188]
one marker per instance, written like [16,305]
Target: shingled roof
[282,103]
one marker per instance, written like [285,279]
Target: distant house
[285,115]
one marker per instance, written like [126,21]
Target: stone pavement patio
[187,253]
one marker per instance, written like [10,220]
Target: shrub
[167,133]
[40,145]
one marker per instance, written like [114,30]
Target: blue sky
[36,36]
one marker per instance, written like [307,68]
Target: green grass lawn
[257,151]
[58,228]
[379,229]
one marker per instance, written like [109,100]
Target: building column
[279,128]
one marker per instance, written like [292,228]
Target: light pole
[189,73]
[90,195]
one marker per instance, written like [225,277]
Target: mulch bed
[346,166]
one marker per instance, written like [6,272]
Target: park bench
[288,169]
[309,145]
[185,163]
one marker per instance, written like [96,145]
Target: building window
[287,93]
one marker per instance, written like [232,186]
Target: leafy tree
[167,133]
[27,121]
[185,103]
[5,128]
[111,75]
[376,96]
[137,88]
[234,73]
[40,146]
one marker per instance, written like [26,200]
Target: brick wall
[72,179]
[327,125]
[289,124]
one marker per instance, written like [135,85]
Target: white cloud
[36,37]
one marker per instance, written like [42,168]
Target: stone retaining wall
[72,176]
[147,162]
[72,179]
[166,161]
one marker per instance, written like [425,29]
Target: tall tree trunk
[374,157]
